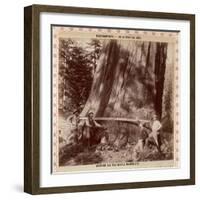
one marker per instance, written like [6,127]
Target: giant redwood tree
[128,80]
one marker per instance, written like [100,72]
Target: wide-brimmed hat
[90,112]
[76,111]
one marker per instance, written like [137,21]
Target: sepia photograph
[109,99]
[114,94]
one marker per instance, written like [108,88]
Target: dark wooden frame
[32,104]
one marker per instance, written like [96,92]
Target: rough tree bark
[128,80]
[168,91]
[160,66]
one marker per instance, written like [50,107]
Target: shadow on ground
[78,155]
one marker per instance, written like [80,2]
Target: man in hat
[155,134]
[73,126]
[143,135]
[90,129]
[139,147]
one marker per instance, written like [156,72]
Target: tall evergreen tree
[76,72]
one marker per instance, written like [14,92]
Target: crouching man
[90,129]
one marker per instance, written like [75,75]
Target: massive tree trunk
[128,81]
[160,66]
[168,91]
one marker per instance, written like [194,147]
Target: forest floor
[79,154]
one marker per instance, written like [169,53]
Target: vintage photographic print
[115,99]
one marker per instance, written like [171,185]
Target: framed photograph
[109,99]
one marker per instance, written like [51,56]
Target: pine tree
[94,47]
[76,72]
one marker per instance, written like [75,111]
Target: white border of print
[47,179]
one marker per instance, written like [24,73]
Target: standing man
[142,137]
[73,125]
[139,147]
[155,134]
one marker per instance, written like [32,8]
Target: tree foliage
[115,78]
[76,66]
